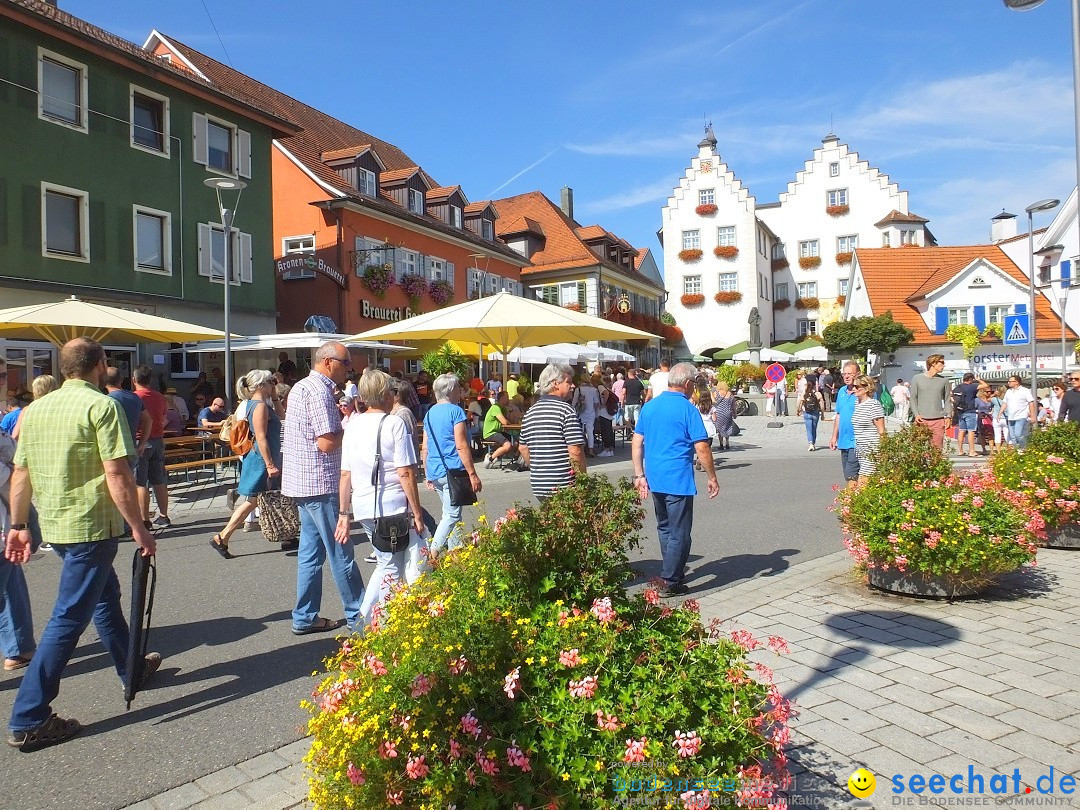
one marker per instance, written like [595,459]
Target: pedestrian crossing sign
[1016,330]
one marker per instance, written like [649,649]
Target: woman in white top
[368,435]
[1019,408]
[587,403]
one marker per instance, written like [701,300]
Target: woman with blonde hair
[42,385]
[263,461]
[722,414]
[868,422]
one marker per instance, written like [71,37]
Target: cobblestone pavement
[893,684]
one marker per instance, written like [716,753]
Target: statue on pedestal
[755,329]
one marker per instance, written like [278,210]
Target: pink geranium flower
[388,750]
[569,658]
[470,725]
[416,767]
[585,688]
[421,685]
[688,743]
[518,758]
[635,750]
[602,610]
[512,682]
[606,722]
[356,776]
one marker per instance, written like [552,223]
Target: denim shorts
[969,420]
[850,462]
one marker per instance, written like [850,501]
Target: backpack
[237,434]
[887,403]
[810,402]
[611,405]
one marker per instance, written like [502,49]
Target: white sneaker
[811,449]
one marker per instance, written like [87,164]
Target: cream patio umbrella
[504,322]
[60,321]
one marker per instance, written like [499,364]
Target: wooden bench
[202,464]
[491,445]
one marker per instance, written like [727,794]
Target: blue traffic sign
[1016,330]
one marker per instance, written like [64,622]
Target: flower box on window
[378,278]
[692,299]
[779,264]
[809,262]
[690,254]
[415,286]
[441,292]
[780,304]
[841,299]
[705,210]
[844,258]
[725,297]
[672,334]
[806,303]
[725,251]
[836,210]
[573,306]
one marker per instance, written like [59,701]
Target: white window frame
[691,240]
[809,247]
[367,182]
[241,264]
[474,281]
[886,240]
[240,145]
[166,240]
[836,196]
[806,326]
[909,237]
[435,269]
[847,244]
[842,286]
[487,229]
[959,316]
[416,201]
[291,245]
[84,223]
[807,289]
[834,170]
[726,236]
[691,285]
[728,282]
[455,216]
[995,313]
[230,132]
[407,263]
[83,80]
[780,290]
[706,196]
[165,122]
[412,367]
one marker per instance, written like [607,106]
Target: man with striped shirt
[552,443]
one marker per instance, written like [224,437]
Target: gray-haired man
[552,442]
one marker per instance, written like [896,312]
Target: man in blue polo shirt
[668,434]
[843,433]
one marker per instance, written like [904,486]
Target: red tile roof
[443,192]
[478,207]
[897,278]
[897,216]
[397,175]
[591,232]
[143,60]
[323,133]
[641,253]
[563,247]
[349,152]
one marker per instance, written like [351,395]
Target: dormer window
[979,281]
[416,201]
[487,229]
[455,216]
[365,181]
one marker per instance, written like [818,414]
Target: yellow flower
[528,660]
[599,765]
[566,777]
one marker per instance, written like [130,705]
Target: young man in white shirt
[1020,412]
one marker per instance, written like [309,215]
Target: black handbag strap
[438,449]
[376,511]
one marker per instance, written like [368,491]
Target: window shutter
[243,153]
[980,318]
[1066,274]
[206,250]
[941,320]
[1019,309]
[450,274]
[199,149]
[244,261]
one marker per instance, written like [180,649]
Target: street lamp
[1041,205]
[219,185]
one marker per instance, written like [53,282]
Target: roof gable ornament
[709,139]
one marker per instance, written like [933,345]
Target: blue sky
[965,104]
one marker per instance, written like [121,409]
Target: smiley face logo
[861,783]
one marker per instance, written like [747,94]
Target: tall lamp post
[226,185]
[1041,205]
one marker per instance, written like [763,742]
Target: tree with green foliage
[967,336]
[879,334]
[447,360]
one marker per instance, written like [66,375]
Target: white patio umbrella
[608,355]
[576,352]
[766,355]
[817,353]
[536,355]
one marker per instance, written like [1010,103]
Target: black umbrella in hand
[143,582]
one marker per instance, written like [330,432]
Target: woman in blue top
[446,445]
[263,460]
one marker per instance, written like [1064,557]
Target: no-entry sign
[776,373]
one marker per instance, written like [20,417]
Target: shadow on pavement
[726,570]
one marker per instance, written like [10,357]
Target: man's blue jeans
[674,521]
[1019,430]
[318,520]
[88,590]
[448,531]
[16,620]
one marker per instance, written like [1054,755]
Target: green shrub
[483,685]
[1060,439]
[1049,483]
[910,455]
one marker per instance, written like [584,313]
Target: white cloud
[648,193]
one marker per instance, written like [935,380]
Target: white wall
[801,216]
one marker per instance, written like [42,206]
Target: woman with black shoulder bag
[378,488]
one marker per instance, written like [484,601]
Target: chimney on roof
[566,201]
[1002,227]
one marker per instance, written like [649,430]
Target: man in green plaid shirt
[73,456]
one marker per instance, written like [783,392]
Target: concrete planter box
[1067,536]
[931,586]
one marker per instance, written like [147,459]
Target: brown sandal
[18,662]
[53,731]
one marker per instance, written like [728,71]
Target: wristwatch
[344,514]
[20,527]
[637,477]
